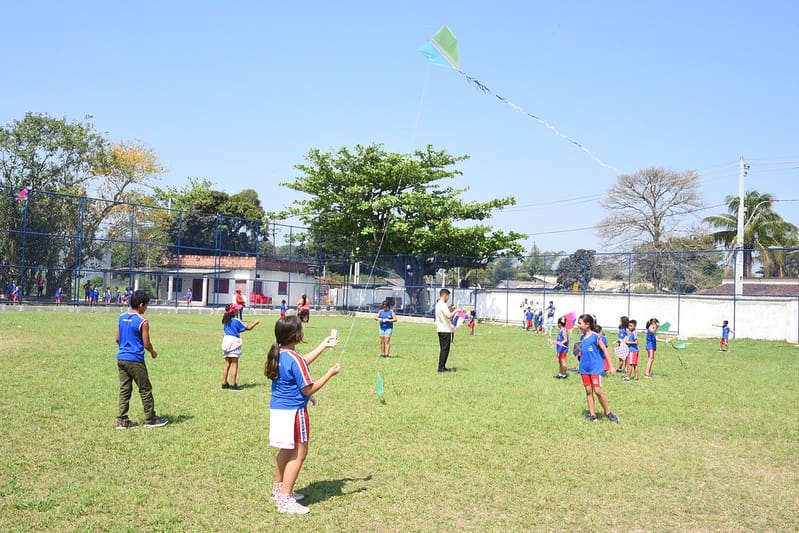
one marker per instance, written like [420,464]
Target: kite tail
[540,120]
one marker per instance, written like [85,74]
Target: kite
[442,50]
[22,195]
[571,318]
[459,319]
[380,385]
[664,327]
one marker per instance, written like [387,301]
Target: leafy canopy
[378,201]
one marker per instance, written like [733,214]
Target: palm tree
[763,229]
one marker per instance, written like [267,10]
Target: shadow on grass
[319,491]
[179,419]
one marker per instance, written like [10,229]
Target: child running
[591,367]
[651,345]
[724,344]
[292,388]
[562,348]
[632,355]
[386,317]
[231,345]
[622,356]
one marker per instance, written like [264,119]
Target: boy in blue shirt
[724,345]
[133,338]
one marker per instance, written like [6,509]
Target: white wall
[692,316]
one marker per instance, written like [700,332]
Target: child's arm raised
[251,326]
[314,387]
[329,342]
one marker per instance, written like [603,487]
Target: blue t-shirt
[283,308]
[293,376]
[651,340]
[725,332]
[528,316]
[235,327]
[58,293]
[592,361]
[386,314]
[622,334]
[550,311]
[562,339]
[633,337]
[131,347]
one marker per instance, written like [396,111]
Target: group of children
[13,292]
[533,317]
[594,362]
[92,295]
[292,385]
[627,349]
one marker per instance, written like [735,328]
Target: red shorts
[590,379]
[632,358]
[562,355]
[650,353]
[725,342]
[529,323]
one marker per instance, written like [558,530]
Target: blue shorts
[386,332]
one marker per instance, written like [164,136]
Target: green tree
[578,268]
[763,229]
[684,264]
[374,202]
[59,161]
[205,220]
[539,263]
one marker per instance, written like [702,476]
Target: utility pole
[739,243]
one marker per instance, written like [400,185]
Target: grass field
[498,445]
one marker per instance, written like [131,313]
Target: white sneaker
[288,505]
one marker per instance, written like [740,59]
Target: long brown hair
[288,330]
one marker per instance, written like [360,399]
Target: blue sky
[239,92]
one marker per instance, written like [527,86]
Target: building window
[282,287]
[222,286]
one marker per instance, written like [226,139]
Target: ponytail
[272,362]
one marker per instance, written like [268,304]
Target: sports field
[710,443]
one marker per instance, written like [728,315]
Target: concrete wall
[692,316]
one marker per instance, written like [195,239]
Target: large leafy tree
[60,161]
[578,270]
[375,202]
[763,229]
[206,221]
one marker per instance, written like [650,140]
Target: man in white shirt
[444,314]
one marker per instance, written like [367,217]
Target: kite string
[482,87]
[373,267]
